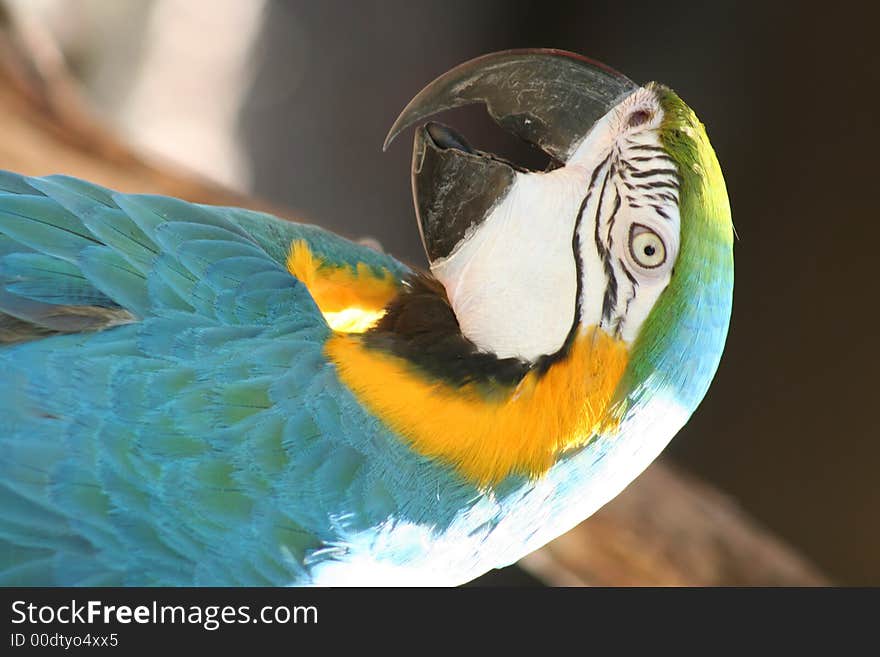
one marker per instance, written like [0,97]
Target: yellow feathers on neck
[522,431]
[351,299]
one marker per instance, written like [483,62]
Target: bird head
[563,305]
[629,233]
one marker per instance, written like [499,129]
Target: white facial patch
[513,280]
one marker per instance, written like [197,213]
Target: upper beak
[549,98]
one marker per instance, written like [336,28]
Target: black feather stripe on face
[609,303]
[545,362]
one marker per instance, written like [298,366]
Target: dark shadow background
[789,95]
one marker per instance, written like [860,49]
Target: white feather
[513,281]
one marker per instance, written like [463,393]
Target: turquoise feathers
[204,428]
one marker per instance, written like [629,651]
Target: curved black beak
[549,98]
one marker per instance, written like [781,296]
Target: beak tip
[397,127]
[389,138]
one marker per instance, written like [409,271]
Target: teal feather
[114,229]
[40,223]
[78,196]
[9,246]
[116,277]
[43,278]
[15,183]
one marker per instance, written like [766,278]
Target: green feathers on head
[680,344]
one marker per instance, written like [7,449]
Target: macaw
[197,395]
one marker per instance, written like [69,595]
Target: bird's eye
[646,247]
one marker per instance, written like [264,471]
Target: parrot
[194,395]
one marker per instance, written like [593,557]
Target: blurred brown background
[291,101]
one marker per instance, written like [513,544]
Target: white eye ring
[646,247]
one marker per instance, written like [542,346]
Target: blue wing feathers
[15,183]
[43,225]
[49,280]
[115,277]
[117,231]
[204,439]
[78,196]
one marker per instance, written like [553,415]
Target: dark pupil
[649,250]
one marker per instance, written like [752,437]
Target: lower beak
[454,187]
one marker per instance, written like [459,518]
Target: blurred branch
[665,529]
[670,529]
